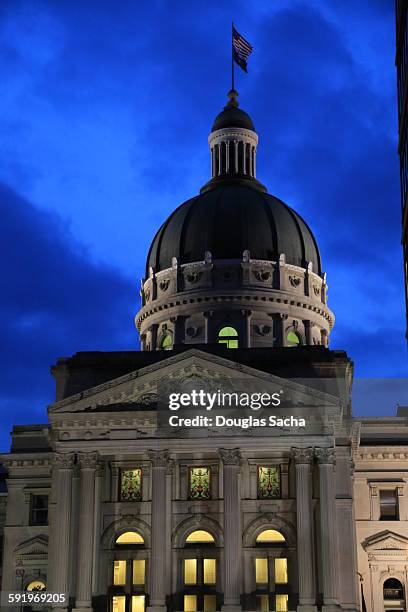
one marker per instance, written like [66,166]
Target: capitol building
[108,505]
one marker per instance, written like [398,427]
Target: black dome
[232,116]
[229,219]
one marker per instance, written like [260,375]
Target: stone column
[326,458]
[247,328]
[303,458]
[308,331]
[231,459]
[88,464]
[208,331]
[60,527]
[236,155]
[161,463]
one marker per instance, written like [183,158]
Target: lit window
[166,343]
[269,482]
[131,485]
[229,337]
[39,510]
[138,603]
[262,603]
[281,571]
[270,536]
[36,585]
[210,571]
[139,570]
[388,505]
[293,339]
[393,590]
[190,571]
[119,573]
[200,483]
[200,537]
[281,603]
[190,603]
[130,537]
[261,571]
[118,604]
[210,603]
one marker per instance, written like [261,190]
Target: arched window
[393,594]
[271,572]
[130,537]
[293,339]
[166,343]
[36,585]
[228,336]
[200,572]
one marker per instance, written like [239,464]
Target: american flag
[241,49]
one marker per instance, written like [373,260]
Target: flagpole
[232,56]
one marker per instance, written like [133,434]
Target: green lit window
[200,483]
[229,337]
[131,485]
[166,343]
[293,339]
[269,481]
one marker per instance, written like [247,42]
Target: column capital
[88,460]
[325,455]
[64,460]
[302,455]
[230,456]
[160,459]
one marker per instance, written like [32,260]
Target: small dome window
[200,537]
[293,339]
[130,537]
[36,585]
[270,536]
[228,336]
[166,343]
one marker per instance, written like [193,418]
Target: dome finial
[233,95]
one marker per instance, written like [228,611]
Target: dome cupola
[234,265]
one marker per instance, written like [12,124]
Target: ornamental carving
[64,460]
[193,331]
[193,277]
[230,456]
[164,284]
[262,275]
[263,330]
[147,295]
[316,290]
[302,455]
[88,460]
[160,459]
[295,281]
[326,455]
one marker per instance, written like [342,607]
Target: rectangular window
[210,571]
[200,483]
[190,603]
[190,571]
[39,510]
[262,603]
[269,482]
[281,603]
[138,603]
[119,572]
[210,603]
[131,485]
[118,604]
[281,571]
[139,572]
[261,571]
[388,505]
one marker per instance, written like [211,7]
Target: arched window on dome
[166,343]
[200,565]
[393,592]
[228,336]
[293,338]
[271,582]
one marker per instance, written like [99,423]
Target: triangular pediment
[38,545]
[386,540]
[191,367]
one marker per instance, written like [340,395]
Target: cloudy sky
[105,109]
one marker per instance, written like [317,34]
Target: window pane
[262,603]
[210,603]
[200,537]
[210,571]
[119,572]
[138,603]
[261,571]
[200,483]
[268,481]
[281,603]
[131,485]
[190,571]
[39,509]
[281,571]
[190,603]
[118,604]
[270,535]
[130,537]
[167,343]
[388,505]
[139,571]
[293,339]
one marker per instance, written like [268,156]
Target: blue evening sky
[105,109]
